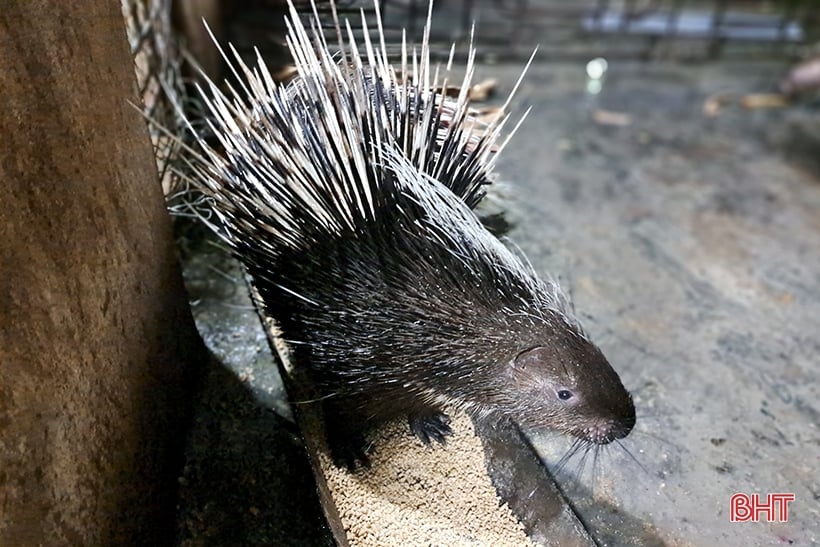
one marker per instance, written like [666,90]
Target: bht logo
[745,507]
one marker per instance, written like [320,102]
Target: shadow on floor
[246,479]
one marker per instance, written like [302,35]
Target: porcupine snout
[613,416]
[609,430]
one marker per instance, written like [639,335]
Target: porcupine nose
[614,429]
[621,429]
[617,426]
[610,430]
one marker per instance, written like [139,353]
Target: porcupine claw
[435,427]
[348,451]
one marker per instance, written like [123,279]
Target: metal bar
[674,17]
[467,16]
[601,8]
[788,15]
[627,15]
[718,17]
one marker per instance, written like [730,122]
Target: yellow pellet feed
[417,495]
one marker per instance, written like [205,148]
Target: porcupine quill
[348,195]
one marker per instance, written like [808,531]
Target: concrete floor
[691,246]
[246,479]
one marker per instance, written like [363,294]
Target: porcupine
[348,195]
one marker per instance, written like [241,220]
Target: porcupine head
[348,195]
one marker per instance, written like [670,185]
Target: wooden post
[98,350]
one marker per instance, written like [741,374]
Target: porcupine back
[347,194]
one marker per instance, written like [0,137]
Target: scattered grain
[417,495]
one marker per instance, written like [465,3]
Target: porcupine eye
[564,394]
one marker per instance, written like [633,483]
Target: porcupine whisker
[315,400]
[643,469]
[596,451]
[632,456]
[568,455]
[662,415]
[581,461]
[594,469]
[581,449]
[655,437]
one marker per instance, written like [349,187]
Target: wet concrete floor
[691,246]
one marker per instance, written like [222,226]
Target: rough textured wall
[97,345]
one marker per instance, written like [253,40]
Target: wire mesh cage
[639,29]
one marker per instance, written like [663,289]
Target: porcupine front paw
[348,450]
[345,437]
[348,447]
[431,427]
